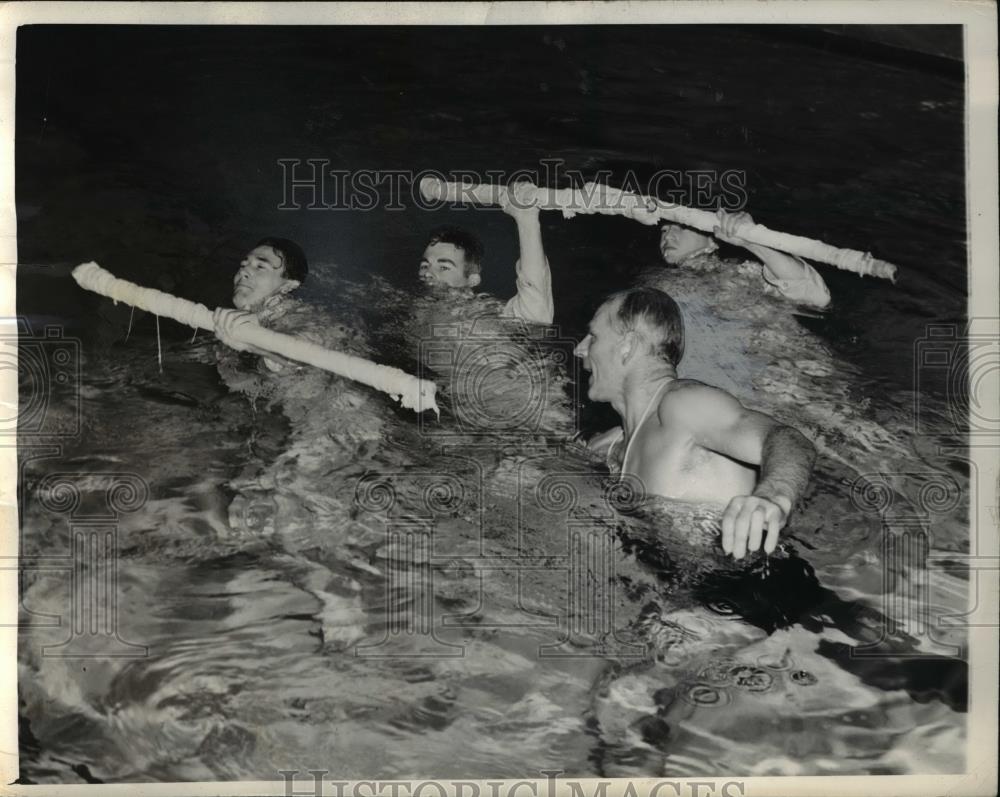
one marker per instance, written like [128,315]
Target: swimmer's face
[443,266]
[261,274]
[678,242]
[600,351]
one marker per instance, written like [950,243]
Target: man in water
[452,260]
[684,439]
[791,276]
[328,426]
[727,306]
[262,290]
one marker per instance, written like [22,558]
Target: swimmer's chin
[245,302]
[670,257]
[594,392]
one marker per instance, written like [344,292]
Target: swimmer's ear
[289,285]
[472,280]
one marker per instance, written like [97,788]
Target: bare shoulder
[687,399]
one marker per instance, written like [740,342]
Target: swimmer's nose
[582,347]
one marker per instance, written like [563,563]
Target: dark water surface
[263,580]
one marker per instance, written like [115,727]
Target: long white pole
[603,199]
[411,392]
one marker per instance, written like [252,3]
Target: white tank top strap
[653,402]
[614,464]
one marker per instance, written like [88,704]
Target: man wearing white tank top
[684,439]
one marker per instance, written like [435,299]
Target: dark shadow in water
[781,591]
[790,594]
[924,679]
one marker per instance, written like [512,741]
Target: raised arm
[533,301]
[720,423]
[795,278]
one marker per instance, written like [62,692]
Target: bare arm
[718,422]
[787,459]
[786,462]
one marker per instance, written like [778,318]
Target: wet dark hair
[660,313]
[460,239]
[292,257]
